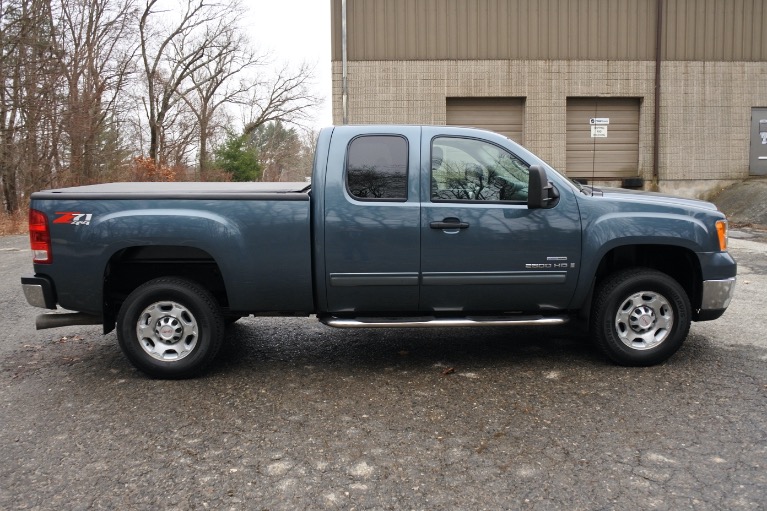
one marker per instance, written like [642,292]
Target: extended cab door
[482,249]
[372,220]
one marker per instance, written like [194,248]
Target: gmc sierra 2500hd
[403,226]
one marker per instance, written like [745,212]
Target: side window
[464,169]
[376,167]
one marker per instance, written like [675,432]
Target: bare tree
[29,83]
[10,91]
[287,97]
[63,66]
[68,77]
[171,57]
[180,137]
[96,38]
[220,83]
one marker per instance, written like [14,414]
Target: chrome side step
[434,322]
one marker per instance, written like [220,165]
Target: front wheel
[170,328]
[640,317]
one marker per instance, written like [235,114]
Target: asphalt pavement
[296,415]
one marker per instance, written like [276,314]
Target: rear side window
[376,168]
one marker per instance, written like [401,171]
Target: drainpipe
[656,128]
[344,72]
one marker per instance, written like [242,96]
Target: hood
[653,198]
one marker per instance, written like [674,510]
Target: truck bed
[257,234]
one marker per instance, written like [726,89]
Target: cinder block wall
[705,106]
[706,121]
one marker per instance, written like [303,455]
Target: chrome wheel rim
[167,331]
[644,320]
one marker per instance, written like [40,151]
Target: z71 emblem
[72,218]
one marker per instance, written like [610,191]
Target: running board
[434,322]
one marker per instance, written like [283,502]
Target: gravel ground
[295,415]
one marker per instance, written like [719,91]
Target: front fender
[606,232]
[618,229]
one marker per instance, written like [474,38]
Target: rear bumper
[39,292]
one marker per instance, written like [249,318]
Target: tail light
[40,237]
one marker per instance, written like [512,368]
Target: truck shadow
[269,346]
[255,345]
[300,342]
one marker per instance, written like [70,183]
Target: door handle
[449,224]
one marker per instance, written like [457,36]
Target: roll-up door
[602,138]
[502,115]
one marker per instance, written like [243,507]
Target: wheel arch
[130,267]
[680,263]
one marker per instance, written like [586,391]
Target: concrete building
[575,81]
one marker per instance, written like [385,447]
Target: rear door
[482,249]
[372,220]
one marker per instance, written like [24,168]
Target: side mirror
[540,192]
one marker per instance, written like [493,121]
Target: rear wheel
[170,328]
[640,317]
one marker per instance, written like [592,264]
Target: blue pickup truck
[402,226]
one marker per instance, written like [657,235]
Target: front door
[482,249]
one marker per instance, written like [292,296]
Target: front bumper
[39,292]
[717,295]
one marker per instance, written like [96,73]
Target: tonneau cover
[181,190]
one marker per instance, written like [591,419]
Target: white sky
[295,31]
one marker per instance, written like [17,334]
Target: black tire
[170,328]
[640,317]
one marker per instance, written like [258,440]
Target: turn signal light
[721,231]
[40,237]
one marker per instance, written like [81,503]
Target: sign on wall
[599,126]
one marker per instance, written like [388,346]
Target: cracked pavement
[296,415]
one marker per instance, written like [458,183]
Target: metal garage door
[502,115]
[603,138]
